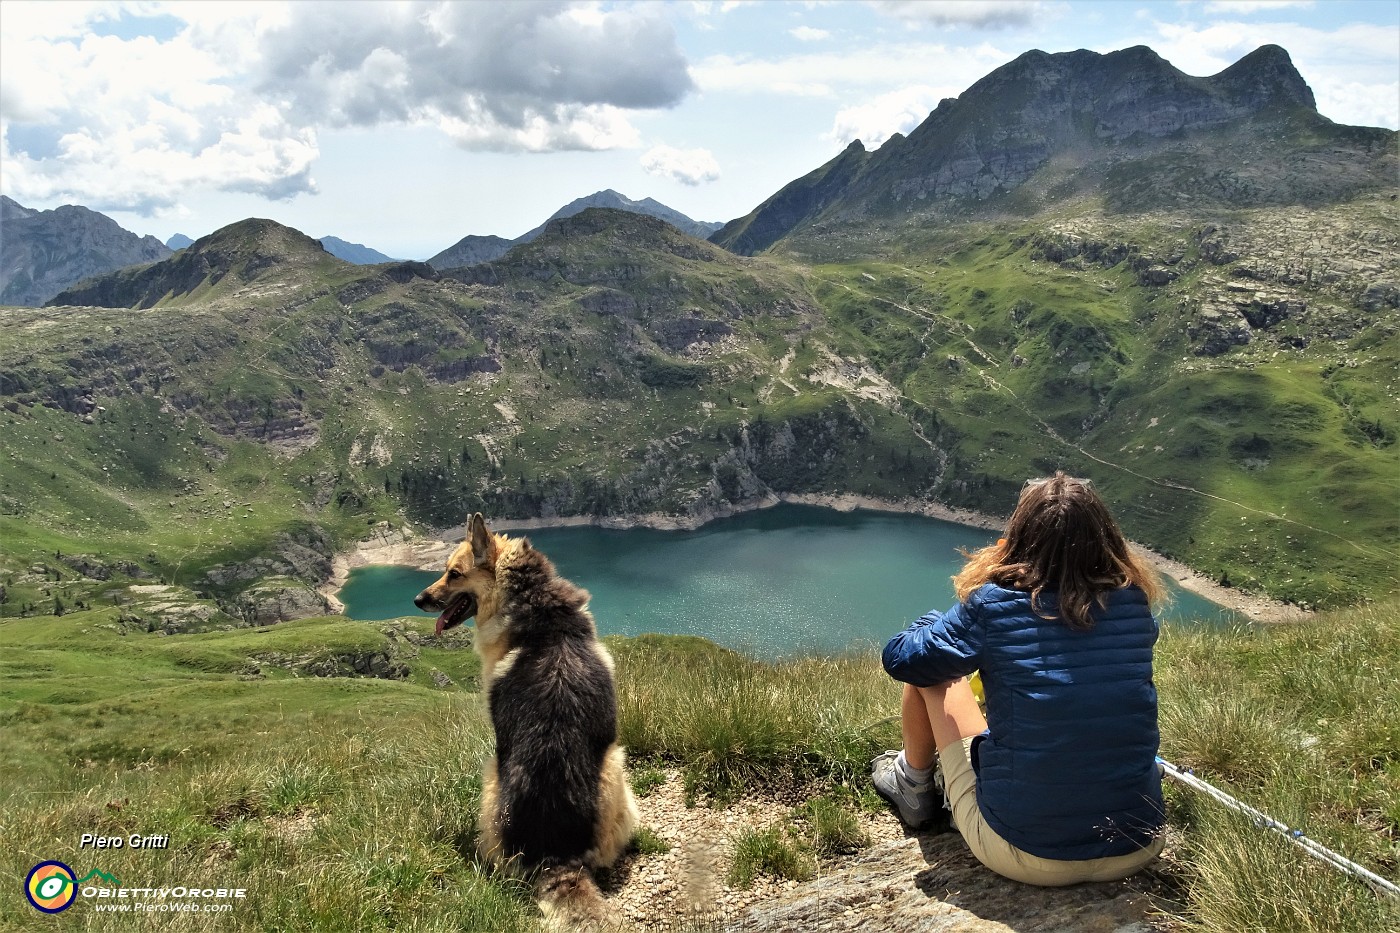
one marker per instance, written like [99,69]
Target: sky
[406,126]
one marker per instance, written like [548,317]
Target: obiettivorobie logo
[52,888]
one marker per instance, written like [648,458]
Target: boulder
[280,599]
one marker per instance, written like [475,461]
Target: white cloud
[133,123]
[850,72]
[897,111]
[1246,7]
[139,170]
[710,7]
[361,64]
[1351,68]
[1358,104]
[564,127]
[979,14]
[230,96]
[687,166]
[808,34]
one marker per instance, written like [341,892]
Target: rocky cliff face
[1126,127]
[797,202]
[44,252]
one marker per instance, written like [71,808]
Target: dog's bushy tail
[571,901]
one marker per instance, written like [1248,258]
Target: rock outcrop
[280,599]
[932,884]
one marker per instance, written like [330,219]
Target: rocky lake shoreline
[407,548]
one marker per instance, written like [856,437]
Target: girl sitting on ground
[1058,783]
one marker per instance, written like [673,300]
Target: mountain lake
[777,582]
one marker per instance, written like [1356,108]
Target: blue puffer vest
[1067,768]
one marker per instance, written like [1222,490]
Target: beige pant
[960,784]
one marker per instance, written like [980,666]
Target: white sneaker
[917,804]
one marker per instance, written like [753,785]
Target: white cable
[1315,849]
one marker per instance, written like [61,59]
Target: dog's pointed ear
[483,545]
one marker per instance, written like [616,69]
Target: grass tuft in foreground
[1302,722]
[769,851]
[734,723]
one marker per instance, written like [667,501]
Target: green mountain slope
[617,366]
[1231,387]
[213,265]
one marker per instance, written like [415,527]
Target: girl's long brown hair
[1061,538]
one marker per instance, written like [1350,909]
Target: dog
[555,800]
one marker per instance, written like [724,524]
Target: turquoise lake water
[776,582]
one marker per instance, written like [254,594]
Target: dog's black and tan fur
[555,799]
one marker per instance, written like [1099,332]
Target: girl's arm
[938,648]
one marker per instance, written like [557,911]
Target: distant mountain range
[44,252]
[474,249]
[357,253]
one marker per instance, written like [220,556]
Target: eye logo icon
[51,887]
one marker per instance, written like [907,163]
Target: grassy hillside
[1093,347]
[1230,385]
[349,802]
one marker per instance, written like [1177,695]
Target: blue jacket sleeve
[937,648]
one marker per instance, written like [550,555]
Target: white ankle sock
[914,776]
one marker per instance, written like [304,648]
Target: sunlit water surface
[776,582]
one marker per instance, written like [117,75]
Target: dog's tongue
[461,606]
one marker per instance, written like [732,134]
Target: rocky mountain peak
[234,255]
[608,198]
[13,210]
[471,250]
[357,253]
[639,229]
[1084,124]
[599,237]
[258,234]
[1267,77]
[43,252]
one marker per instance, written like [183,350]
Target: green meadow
[349,803]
